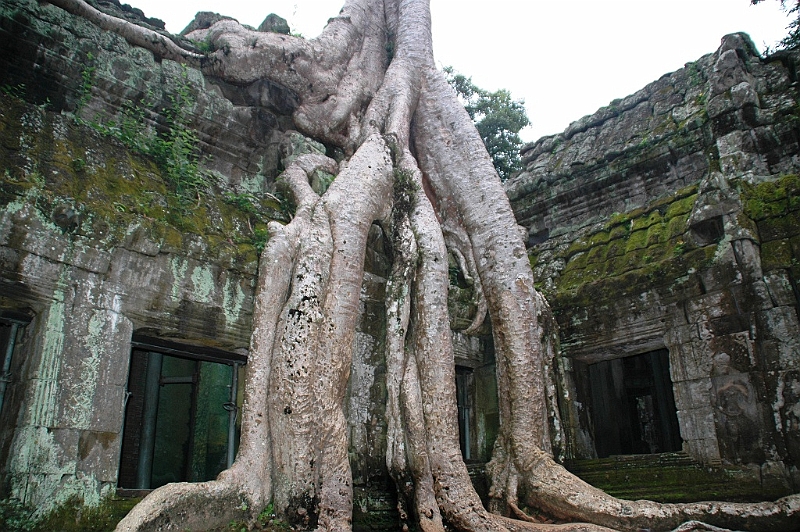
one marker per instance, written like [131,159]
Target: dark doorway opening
[12,328]
[632,405]
[478,412]
[8,337]
[465,391]
[181,422]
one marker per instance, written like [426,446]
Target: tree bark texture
[415,165]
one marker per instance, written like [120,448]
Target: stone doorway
[12,328]
[8,337]
[478,413]
[632,405]
[181,422]
[465,392]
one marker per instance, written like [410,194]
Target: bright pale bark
[416,165]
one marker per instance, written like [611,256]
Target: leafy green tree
[498,119]
[792,8]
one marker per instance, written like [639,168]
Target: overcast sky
[565,58]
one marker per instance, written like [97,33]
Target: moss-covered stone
[680,206]
[776,254]
[74,516]
[637,240]
[670,477]
[771,199]
[596,254]
[63,163]
[630,253]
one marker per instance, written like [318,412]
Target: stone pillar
[68,439]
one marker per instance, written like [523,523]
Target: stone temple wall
[669,220]
[97,244]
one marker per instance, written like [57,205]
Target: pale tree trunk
[416,165]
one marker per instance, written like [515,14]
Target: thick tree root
[134,34]
[552,488]
[184,506]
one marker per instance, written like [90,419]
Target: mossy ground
[72,516]
[670,478]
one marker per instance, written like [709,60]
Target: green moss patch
[772,208]
[671,478]
[71,516]
[55,162]
[633,251]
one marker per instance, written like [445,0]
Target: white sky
[565,58]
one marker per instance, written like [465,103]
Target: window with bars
[181,422]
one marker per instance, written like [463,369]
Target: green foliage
[792,39]
[245,202]
[78,165]
[175,150]
[205,46]
[14,91]
[15,516]
[498,119]
[258,214]
[267,520]
[87,80]
[267,513]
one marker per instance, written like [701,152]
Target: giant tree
[414,164]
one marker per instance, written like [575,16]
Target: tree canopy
[792,9]
[498,119]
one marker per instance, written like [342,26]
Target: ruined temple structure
[664,230]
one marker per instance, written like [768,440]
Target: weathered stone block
[743,95]
[108,408]
[780,288]
[775,477]
[782,323]
[691,362]
[138,241]
[729,70]
[98,455]
[712,305]
[720,105]
[699,394]
[776,254]
[677,356]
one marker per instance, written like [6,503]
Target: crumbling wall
[668,220]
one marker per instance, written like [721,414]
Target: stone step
[668,477]
[641,461]
[375,509]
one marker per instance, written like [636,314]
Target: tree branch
[148,39]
